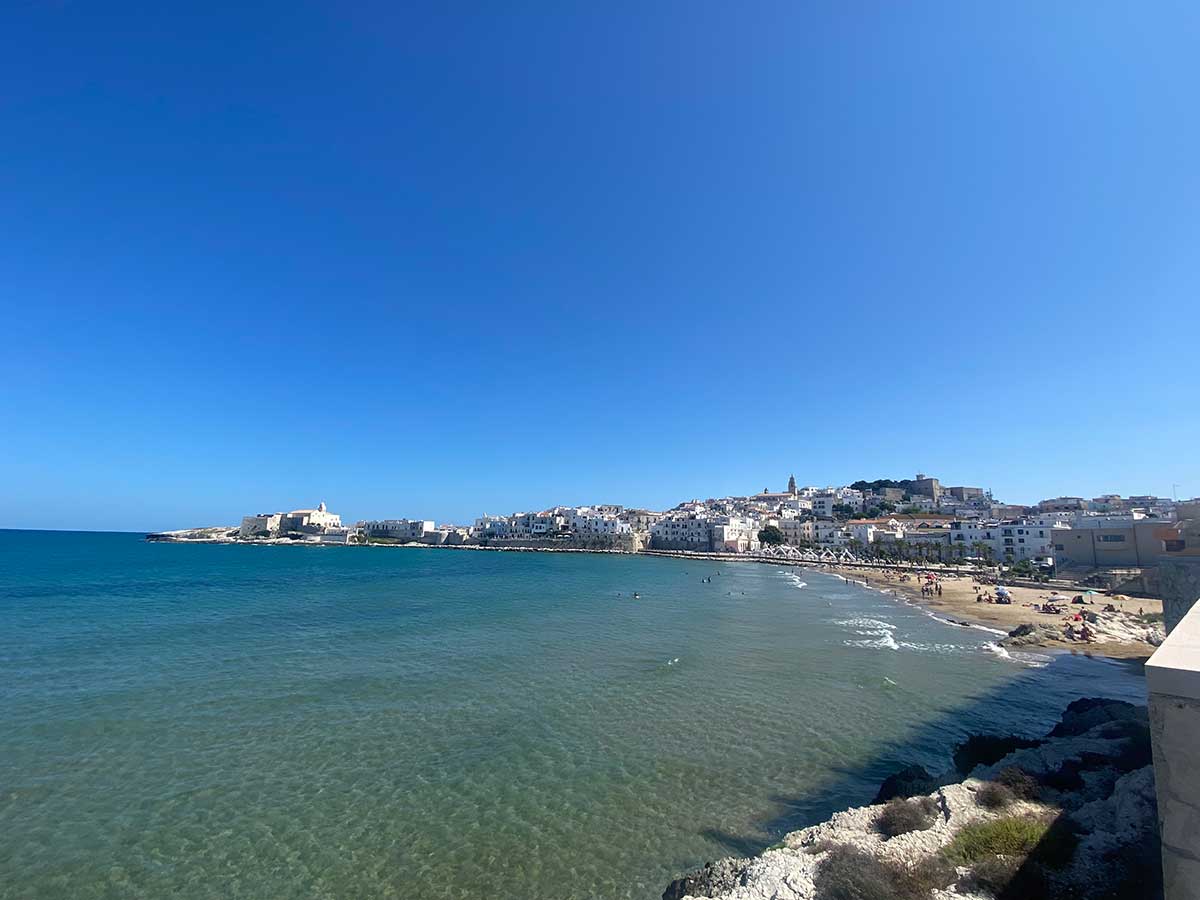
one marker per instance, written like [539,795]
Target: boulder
[714,879]
[910,781]
[1086,713]
[987,749]
[1031,633]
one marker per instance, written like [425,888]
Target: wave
[885,642]
[957,624]
[877,634]
[1032,660]
[865,625]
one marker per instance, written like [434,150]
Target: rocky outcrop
[1114,627]
[213,534]
[1091,779]
[715,879]
[910,781]
[1030,635]
[1086,713]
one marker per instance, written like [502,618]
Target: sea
[233,721]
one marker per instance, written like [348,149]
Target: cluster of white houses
[919,519]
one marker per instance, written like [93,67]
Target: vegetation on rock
[1010,836]
[902,816]
[994,796]
[848,873]
[1023,785]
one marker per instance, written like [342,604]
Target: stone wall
[1179,586]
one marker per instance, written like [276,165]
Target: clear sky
[439,259]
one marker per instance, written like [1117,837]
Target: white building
[1006,540]
[399,529]
[832,534]
[682,531]
[304,521]
[731,534]
[587,522]
[797,532]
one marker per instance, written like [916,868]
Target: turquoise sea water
[261,722]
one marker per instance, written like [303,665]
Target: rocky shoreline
[1070,815]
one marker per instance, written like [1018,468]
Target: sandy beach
[958,601]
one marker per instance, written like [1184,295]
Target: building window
[1112,538]
[1173,546]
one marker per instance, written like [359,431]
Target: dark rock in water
[1030,633]
[1088,712]
[715,878]
[911,781]
[986,749]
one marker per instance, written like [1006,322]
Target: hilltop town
[916,519]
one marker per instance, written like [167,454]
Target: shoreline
[997,781]
[956,607]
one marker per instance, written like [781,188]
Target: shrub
[994,795]
[1007,878]
[902,816]
[849,874]
[1021,783]
[987,749]
[992,874]
[1011,836]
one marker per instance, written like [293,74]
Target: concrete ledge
[1175,666]
[1173,681]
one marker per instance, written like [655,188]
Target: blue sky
[441,259]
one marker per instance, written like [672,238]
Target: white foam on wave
[1032,660]
[876,633]
[865,625]
[958,624]
[884,642]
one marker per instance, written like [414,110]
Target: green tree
[1024,567]
[771,535]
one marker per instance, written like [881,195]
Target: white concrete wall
[1173,682]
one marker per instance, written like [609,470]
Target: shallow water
[232,721]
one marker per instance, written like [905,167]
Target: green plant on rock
[1010,836]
